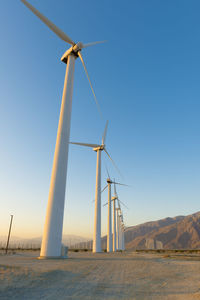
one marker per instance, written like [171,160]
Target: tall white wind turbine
[52,236]
[97,214]
[111,246]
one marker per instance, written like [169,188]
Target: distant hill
[182,232]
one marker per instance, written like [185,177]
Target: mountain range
[181,232]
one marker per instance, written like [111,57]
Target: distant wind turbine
[123,241]
[51,242]
[111,246]
[118,220]
[97,215]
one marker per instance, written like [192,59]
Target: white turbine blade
[112,161]
[118,202]
[104,188]
[122,184]
[123,203]
[93,43]
[105,132]
[115,190]
[107,172]
[95,98]
[105,204]
[53,27]
[84,144]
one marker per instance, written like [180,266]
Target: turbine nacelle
[78,47]
[109,180]
[72,50]
[100,147]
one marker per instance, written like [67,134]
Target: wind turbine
[51,242]
[97,214]
[120,231]
[118,218]
[114,223]
[110,246]
[117,228]
[123,242]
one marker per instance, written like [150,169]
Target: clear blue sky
[146,79]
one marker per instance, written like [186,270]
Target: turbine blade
[52,26]
[93,43]
[123,203]
[122,184]
[104,188]
[115,190]
[105,204]
[95,98]
[84,144]
[107,172]
[119,204]
[112,161]
[105,132]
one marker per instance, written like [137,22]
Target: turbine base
[52,257]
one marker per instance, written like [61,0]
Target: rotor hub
[100,148]
[109,181]
[72,51]
[77,47]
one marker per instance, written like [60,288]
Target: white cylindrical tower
[117,230]
[109,230]
[114,226]
[52,236]
[123,241]
[97,214]
[120,234]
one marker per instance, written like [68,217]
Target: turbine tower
[52,236]
[117,228]
[120,229]
[97,214]
[111,246]
[123,242]
[119,218]
[114,224]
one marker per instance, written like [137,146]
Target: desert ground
[85,275]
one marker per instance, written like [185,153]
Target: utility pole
[9,233]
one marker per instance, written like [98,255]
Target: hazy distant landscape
[181,232]
[68,240]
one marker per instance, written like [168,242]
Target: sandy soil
[100,276]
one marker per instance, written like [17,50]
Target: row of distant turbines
[52,235]
[115,236]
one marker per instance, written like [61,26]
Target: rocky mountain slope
[182,232]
